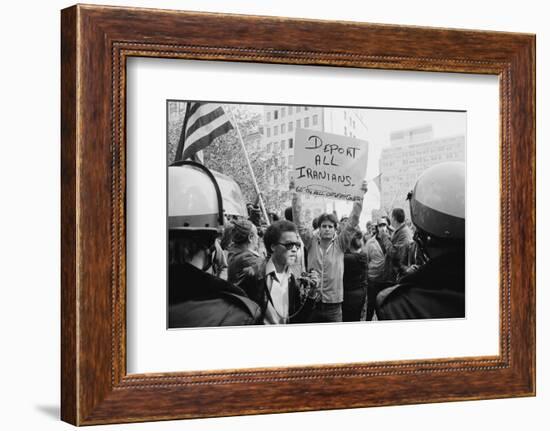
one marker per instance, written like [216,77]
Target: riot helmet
[438,200]
[194,198]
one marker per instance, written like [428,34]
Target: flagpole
[181,141]
[254,182]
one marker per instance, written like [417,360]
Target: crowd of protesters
[286,271]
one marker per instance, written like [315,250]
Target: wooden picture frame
[95,42]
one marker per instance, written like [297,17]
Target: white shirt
[277,283]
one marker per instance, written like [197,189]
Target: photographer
[271,283]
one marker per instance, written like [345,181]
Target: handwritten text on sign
[329,165]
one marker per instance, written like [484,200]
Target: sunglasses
[290,245]
[382,224]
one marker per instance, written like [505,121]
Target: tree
[226,155]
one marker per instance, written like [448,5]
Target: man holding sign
[326,248]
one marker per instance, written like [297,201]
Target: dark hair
[356,240]
[315,223]
[183,245]
[327,216]
[273,233]
[388,221]
[288,214]
[398,214]
[273,216]
[241,231]
[227,236]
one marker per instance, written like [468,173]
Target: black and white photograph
[301,214]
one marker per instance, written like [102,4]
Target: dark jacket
[255,282]
[355,271]
[397,253]
[199,299]
[435,291]
[355,286]
[239,259]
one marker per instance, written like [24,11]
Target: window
[290,160]
[315,119]
[275,147]
[290,126]
[306,122]
[268,116]
[290,143]
[283,112]
[268,147]
[290,110]
[306,108]
[345,131]
[283,128]
[275,115]
[298,109]
[268,132]
[298,124]
[283,145]
[261,130]
[345,115]
[275,130]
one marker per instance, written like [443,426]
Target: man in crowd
[272,284]
[435,289]
[195,297]
[396,246]
[325,251]
[376,258]
[243,251]
[369,226]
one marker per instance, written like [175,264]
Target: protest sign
[329,165]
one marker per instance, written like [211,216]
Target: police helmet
[438,200]
[194,198]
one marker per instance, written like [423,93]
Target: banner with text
[329,165]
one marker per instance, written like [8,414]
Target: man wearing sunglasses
[326,249]
[271,283]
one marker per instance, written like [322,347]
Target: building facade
[410,153]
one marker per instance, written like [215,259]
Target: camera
[309,286]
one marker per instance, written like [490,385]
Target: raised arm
[348,229]
[305,232]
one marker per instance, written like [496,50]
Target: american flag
[203,123]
